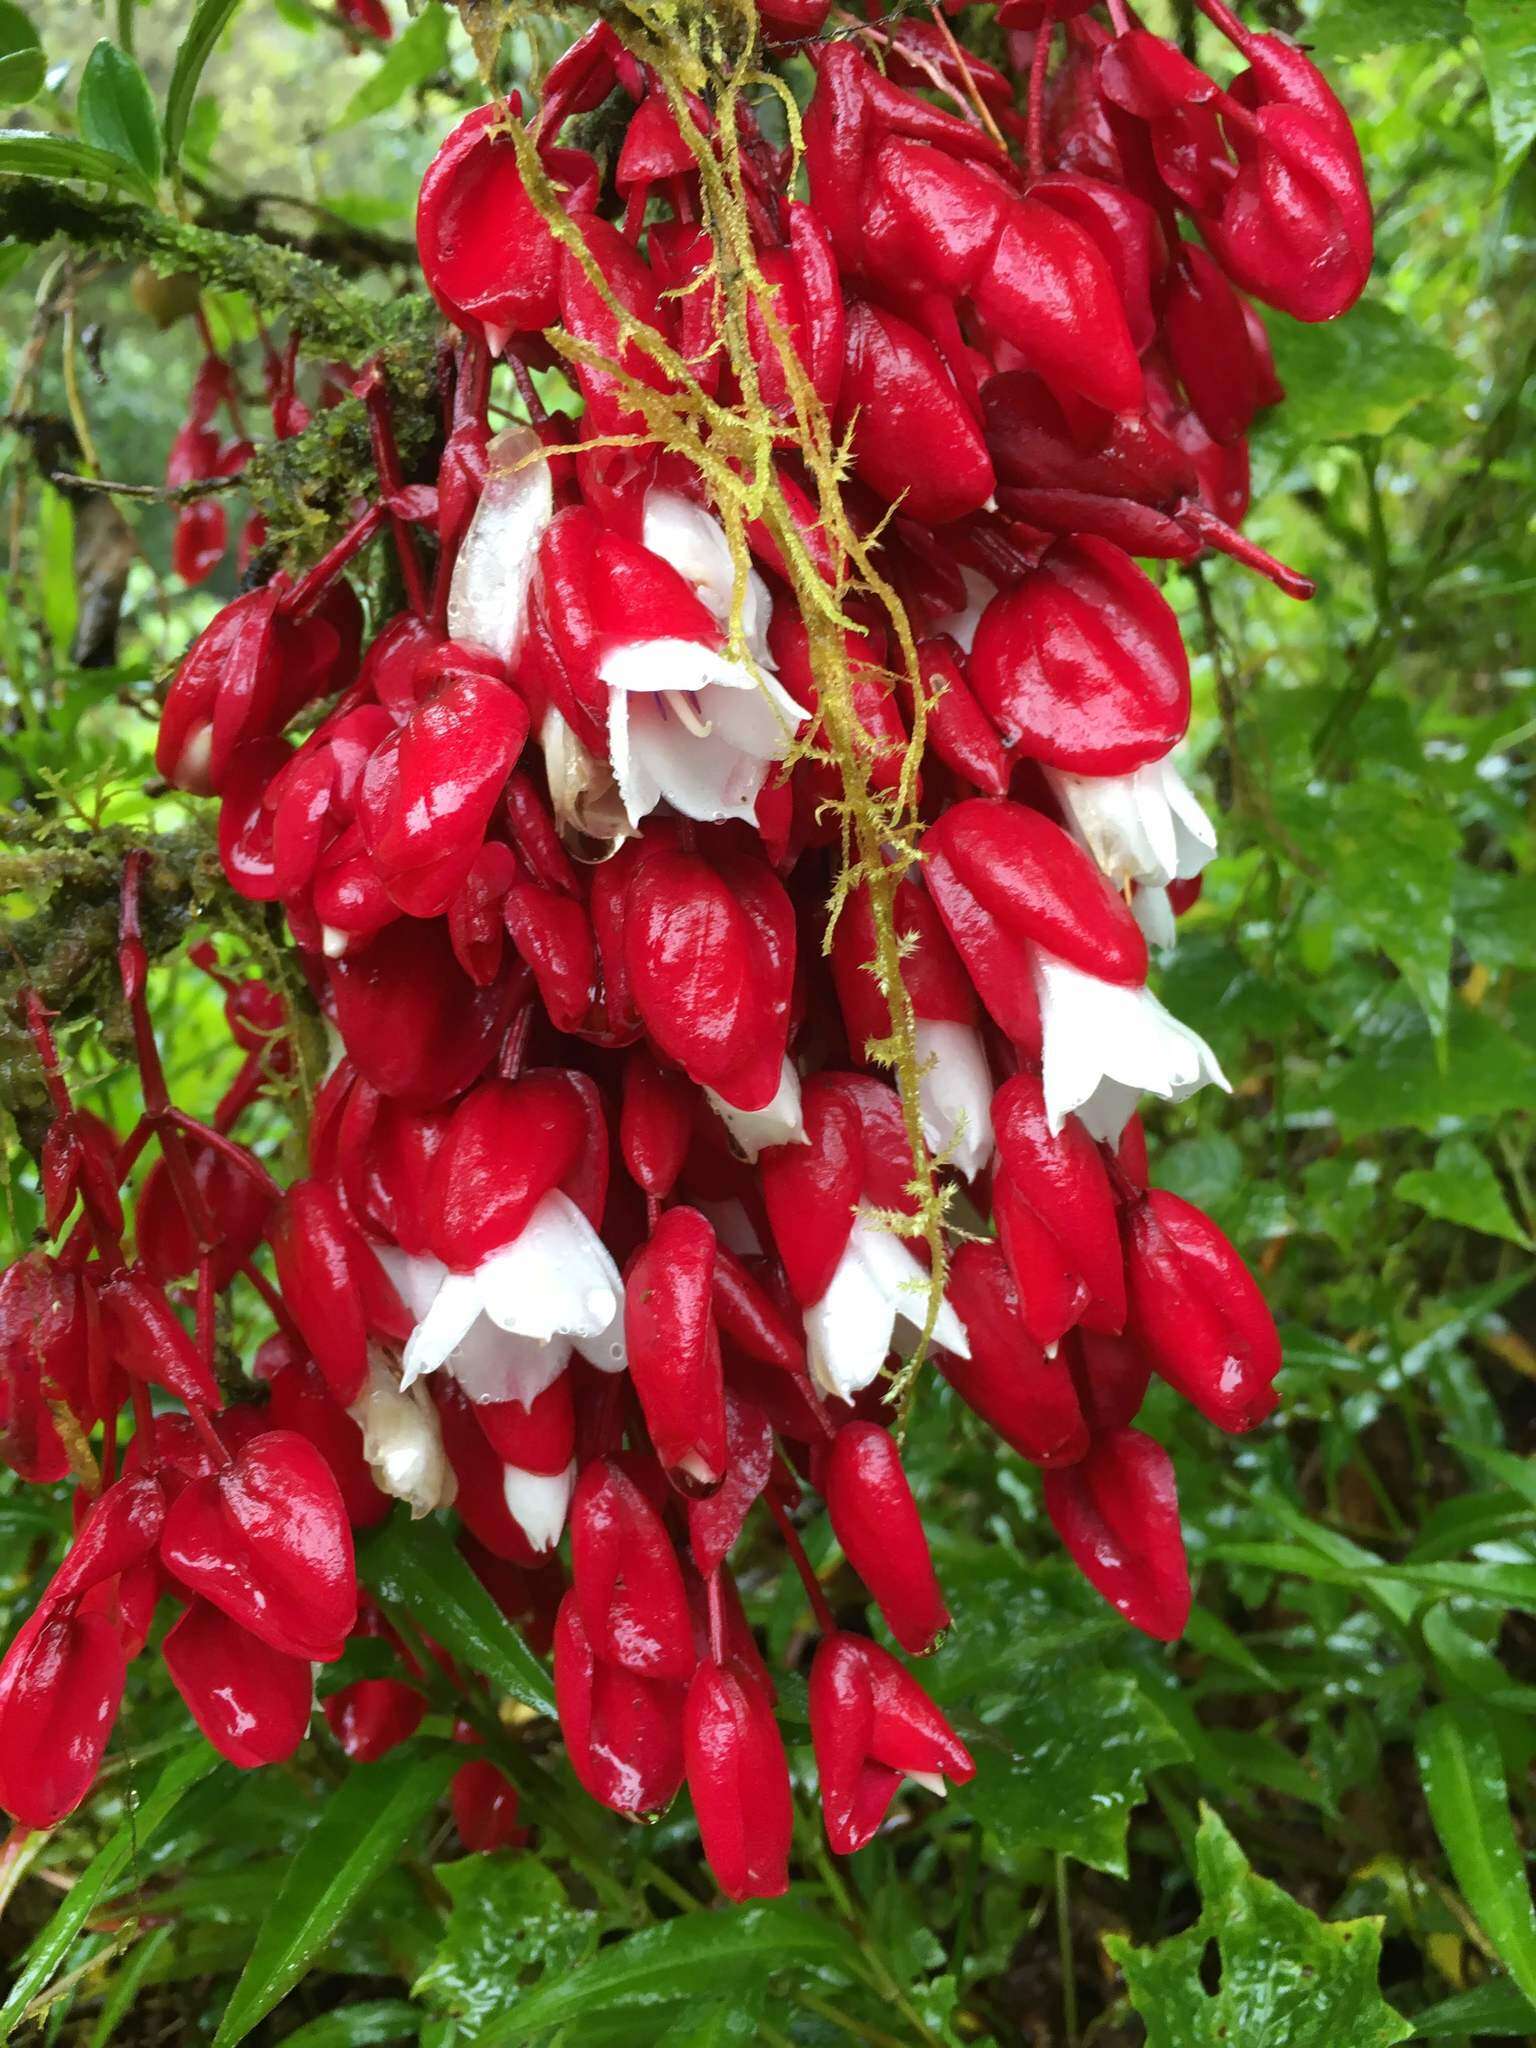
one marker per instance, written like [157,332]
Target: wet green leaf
[116,112]
[508,1917]
[414,57]
[22,63]
[1463,1775]
[1287,1979]
[1461,1187]
[1506,35]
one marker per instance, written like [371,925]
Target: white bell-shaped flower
[539,1502]
[878,1284]
[507,1330]
[954,1087]
[1105,1046]
[1145,827]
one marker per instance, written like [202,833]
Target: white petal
[606,1349]
[195,760]
[1145,827]
[538,1502]
[954,1087]
[1105,1045]
[961,626]
[707,777]
[905,1281]
[496,1365]
[488,598]
[402,1442]
[1154,913]
[452,1313]
[710,763]
[555,1277]
[931,1781]
[693,541]
[848,1332]
[778,1122]
[416,1276]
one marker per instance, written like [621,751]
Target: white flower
[961,626]
[778,1122]
[1106,1045]
[402,1441]
[693,727]
[697,728]
[877,1284]
[539,1501]
[954,1086]
[506,1331]
[488,597]
[1143,827]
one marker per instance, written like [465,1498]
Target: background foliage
[1353,1711]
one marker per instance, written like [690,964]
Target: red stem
[312,586]
[371,389]
[802,1564]
[716,1617]
[234,1152]
[1039,63]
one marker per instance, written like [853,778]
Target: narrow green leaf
[366,1822]
[1498,2009]
[23,67]
[116,113]
[48,1951]
[125,1985]
[28,153]
[415,1565]
[670,1964]
[367,2025]
[209,20]
[1463,1776]
[417,55]
[1288,1979]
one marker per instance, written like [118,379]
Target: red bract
[1117,1511]
[60,1685]
[875,1519]
[1197,1312]
[266,1541]
[739,1781]
[873,1726]
[674,1348]
[251,1701]
[489,260]
[629,1586]
[623,1732]
[1029,1399]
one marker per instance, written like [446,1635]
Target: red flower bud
[623,1732]
[739,1780]
[61,1683]
[674,1348]
[873,1725]
[1118,1514]
[251,1701]
[628,1581]
[875,1519]
[1027,1398]
[1197,1313]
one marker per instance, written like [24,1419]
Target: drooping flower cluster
[616,1223]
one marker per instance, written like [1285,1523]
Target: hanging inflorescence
[730,878]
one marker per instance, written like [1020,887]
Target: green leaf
[29,153]
[417,55]
[1394,1077]
[1342,29]
[669,1964]
[1496,917]
[23,67]
[185,1768]
[1354,377]
[1463,1774]
[507,1917]
[375,2021]
[1498,2008]
[116,113]
[209,20]
[1461,1187]
[1288,1979]
[1079,1747]
[125,1985]
[1506,34]
[361,1831]
[415,1565]
[1390,860]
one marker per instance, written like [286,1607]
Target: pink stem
[1039,62]
[802,1564]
